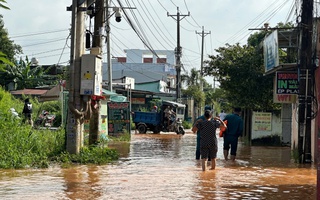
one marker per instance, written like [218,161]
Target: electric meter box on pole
[91,78]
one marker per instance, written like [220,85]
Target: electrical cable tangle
[236,35]
[290,12]
[198,26]
[165,10]
[269,17]
[154,26]
[128,48]
[129,21]
[145,38]
[136,31]
[137,70]
[161,21]
[114,36]
[155,22]
[146,24]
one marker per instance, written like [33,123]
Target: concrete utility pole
[97,45]
[202,34]
[305,71]
[108,48]
[78,106]
[178,54]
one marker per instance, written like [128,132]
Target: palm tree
[193,79]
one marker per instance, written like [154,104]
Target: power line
[41,33]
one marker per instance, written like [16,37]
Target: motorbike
[176,126]
[45,119]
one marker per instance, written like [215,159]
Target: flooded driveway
[163,166]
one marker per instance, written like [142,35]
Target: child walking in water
[208,138]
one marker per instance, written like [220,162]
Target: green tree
[193,79]
[240,71]
[24,75]
[195,92]
[4,61]
[193,86]
[3,6]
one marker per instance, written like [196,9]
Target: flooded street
[163,166]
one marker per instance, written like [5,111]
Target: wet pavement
[163,166]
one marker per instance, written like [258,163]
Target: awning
[114,97]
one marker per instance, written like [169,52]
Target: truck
[155,121]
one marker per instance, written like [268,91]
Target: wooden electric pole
[305,71]
[178,54]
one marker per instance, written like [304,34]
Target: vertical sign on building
[271,51]
[286,87]
[118,118]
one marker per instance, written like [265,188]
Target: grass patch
[186,125]
[25,147]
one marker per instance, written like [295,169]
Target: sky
[42,27]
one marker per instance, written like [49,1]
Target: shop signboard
[118,118]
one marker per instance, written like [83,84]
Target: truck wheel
[142,128]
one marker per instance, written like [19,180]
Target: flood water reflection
[163,166]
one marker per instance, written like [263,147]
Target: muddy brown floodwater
[163,166]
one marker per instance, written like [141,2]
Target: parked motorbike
[45,119]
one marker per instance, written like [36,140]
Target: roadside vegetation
[25,147]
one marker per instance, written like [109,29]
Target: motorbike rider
[169,115]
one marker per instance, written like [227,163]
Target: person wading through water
[233,132]
[208,138]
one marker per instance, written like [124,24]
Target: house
[144,67]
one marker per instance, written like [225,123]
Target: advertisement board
[287,83]
[285,87]
[261,121]
[271,51]
[118,118]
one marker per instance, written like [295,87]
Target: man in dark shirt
[233,132]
